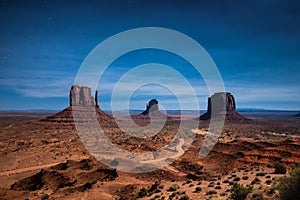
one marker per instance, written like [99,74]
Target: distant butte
[82,102]
[216,101]
[152,106]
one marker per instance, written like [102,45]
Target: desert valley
[43,157]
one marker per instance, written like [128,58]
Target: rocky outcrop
[84,105]
[297,115]
[223,103]
[152,106]
[81,96]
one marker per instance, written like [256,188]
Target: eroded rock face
[81,96]
[151,107]
[222,103]
[219,99]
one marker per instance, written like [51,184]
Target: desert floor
[47,160]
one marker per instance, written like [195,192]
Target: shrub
[245,177]
[184,197]
[279,168]
[211,184]
[256,180]
[189,181]
[226,181]
[198,189]
[142,192]
[261,174]
[239,192]
[268,182]
[218,187]
[289,186]
[236,179]
[257,195]
[211,192]
[173,187]
[45,197]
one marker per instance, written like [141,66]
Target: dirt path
[27,169]
[179,152]
[32,168]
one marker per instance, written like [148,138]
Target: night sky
[255,44]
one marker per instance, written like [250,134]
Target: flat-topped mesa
[81,96]
[151,107]
[222,103]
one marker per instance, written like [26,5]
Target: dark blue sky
[255,44]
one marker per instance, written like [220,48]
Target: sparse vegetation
[211,192]
[142,192]
[184,197]
[218,187]
[237,179]
[198,189]
[173,187]
[226,181]
[289,186]
[257,195]
[279,168]
[255,181]
[239,192]
[268,181]
[261,174]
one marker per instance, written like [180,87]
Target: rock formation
[84,104]
[222,103]
[297,115]
[151,107]
[81,96]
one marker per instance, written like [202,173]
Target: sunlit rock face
[81,96]
[151,107]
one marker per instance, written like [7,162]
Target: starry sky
[255,45]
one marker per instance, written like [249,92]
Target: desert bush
[237,179]
[226,181]
[239,192]
[257,195]
[211,184]
[272,190]
[198,189]
[142,192]
[223,194]
[279,168]
[184,197]
[245,177]
[256,180]
[289,187]
[261,174]
[218,187]
[45,197]
[173,187]
[211,192]
[189,181]
[268,182]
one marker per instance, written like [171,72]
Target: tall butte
[82,102]
[223,103]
